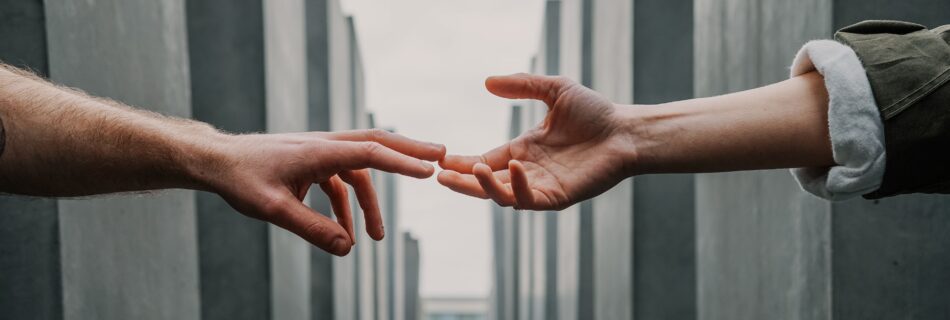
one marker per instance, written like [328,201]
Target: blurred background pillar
[612,212]
[285,55]
[664,232]
[128,256]
[29,227]
[226,45]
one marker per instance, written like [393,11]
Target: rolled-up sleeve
[856,131]
[908,69]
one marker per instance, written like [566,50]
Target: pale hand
[577,152]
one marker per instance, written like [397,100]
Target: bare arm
[61,142]
[588,144]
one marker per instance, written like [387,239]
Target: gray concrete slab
[226,50]
[762,243]
[23,28]
[785,252]
[29,227]
[285,52]
[663,205]
[611,75]
[126,256]
[29,258]
[411,293]
[889,257]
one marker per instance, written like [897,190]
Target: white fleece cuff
[857,133]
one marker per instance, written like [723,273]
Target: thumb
[528,86]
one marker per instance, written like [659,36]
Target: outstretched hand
[577,152]
[267,177]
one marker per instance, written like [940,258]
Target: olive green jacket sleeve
[908,67]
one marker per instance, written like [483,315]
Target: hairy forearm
[62,142]
[783,125]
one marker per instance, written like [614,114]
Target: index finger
[362,155]
[496,159]
[402,144]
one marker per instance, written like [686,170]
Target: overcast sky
[426,62]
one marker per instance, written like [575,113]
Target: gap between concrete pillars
[29,227]
[664,236]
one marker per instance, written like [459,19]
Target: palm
[553,158]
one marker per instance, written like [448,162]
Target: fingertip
[444,176]
[515,165]
[427,170]
[379,234]
[340,246]
[481,167]
[442,152]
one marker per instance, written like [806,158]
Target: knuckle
[372,148]
[377,134]
[273,206]
[314,230]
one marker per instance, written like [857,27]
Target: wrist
[204,157]
[640,129]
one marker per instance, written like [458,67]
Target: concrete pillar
[29,228]
[226,49]
[664,250]
[506,244]
[126,256]
[411,292]
[611,75]
[318,15]
[764,247]
[286,85]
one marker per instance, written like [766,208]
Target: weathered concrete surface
[664,241]
[762,243]
[126,256]
[23,30]
[29,228]
[889,258]
[286,85]
[786,253]
[29,258]
[226,50]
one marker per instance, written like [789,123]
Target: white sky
[426,62]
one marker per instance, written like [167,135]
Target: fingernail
[382,231]
[339,246]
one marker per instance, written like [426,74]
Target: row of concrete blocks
[744,245]
[243,66]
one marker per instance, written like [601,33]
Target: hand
[267,176]
[577,152]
